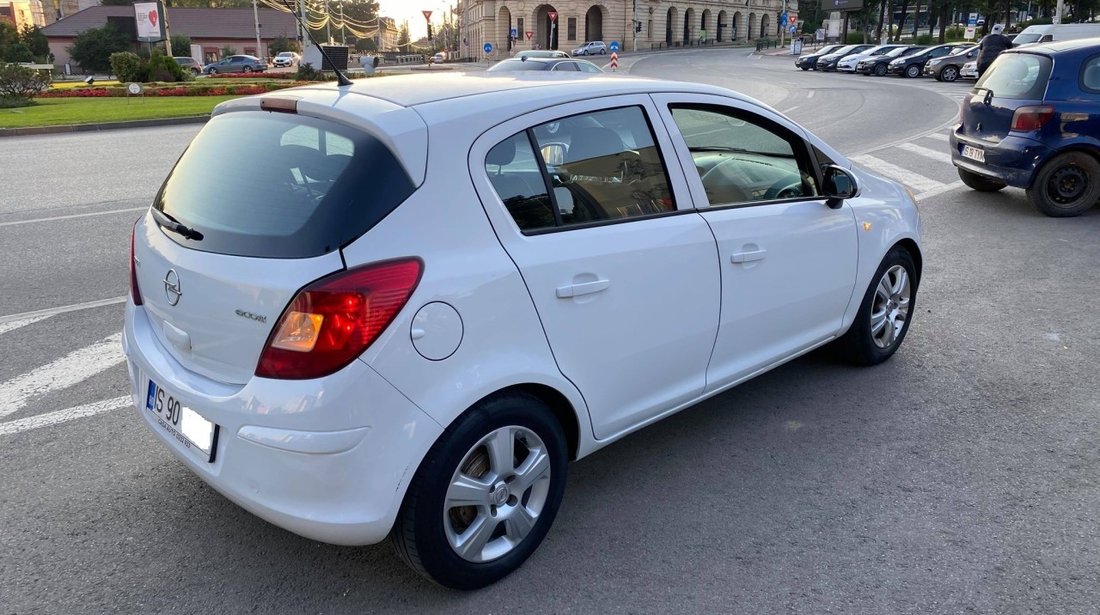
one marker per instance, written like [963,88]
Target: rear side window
[281,186]
[1021,76]
[1090,75]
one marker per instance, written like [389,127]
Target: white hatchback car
[417,299]
[591,48]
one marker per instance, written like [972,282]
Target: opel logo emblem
[172,287]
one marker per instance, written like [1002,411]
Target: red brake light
[333,320]
[1027,119]
[135,292]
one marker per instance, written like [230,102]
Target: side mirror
[840,184]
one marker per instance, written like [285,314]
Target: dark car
[188,63]
[912,65]
[1033,121]
[809,61]
[558,64]
[236,64]
[828,61]
[880,65]
[948,68]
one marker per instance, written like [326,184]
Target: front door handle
[748,256]
[584,288]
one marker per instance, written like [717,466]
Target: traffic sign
[529,34]
[553,15]
[972,20]
[513,33]
[614,61]
[793,28]
[783,17]
[427,15]
[488,48]
[614,46]
[793,19]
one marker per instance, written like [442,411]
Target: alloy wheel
[890,309]
[497,493]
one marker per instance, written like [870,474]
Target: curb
[70,128]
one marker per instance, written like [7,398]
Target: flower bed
[174,90]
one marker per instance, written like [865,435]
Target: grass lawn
[64,111]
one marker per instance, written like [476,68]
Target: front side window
[589,168]
[742,158]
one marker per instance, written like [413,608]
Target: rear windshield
[513,65]
[1026,38]
[278,185]
[1021,76]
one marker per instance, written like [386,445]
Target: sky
[401,10]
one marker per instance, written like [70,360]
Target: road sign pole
[634,27]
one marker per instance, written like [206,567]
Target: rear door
[268,200]
[619,266]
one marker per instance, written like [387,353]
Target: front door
[620,267]
[788,261]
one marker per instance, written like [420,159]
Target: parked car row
[944,62]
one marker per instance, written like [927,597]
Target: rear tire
[884,316]
[979,183]
[470,545]
[248,69]
[1068,185]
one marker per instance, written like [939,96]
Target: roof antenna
[341,78]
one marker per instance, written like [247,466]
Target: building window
[519,29]
[572,32]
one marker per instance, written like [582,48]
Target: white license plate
[195,433]
[973,153]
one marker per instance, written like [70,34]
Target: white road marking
[61,416]
[22,322]
[70,216]
[70,369]
[938,191]
[939,136]
[811,94]
[934,154]
[785,111]
[62,309]
[916,181]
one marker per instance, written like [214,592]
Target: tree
[229,50]
[19,84]
[281,44]
[181,45]
[403,37]
[92,48]
[366,44]
[39,45]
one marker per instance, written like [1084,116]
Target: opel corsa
[399,308]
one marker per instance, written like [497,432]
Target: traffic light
[637,26]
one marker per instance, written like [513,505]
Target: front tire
[979,183]
[880,70]
[1068,185]
[949,74]
[486,493]
[912,71]
[884,316]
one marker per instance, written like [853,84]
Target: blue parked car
[1033,121]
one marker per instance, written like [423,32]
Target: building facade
[23,13]
[565,24]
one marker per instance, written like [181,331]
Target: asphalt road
[961,476]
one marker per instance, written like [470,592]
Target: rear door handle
[584,288]
[745,257]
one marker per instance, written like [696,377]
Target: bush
[181,45]
[854,38]
[92,48]
[127,66]
[306,72]
[954,33]
[162,68]
[21,84]
[924,39]
[229,50]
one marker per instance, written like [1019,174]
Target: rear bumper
[328,459]
[1013,161]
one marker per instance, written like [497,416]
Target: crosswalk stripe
[61,416]
[70,369]
[22,322]
[939,136]
[926,152]
[938,191]
[63,309]
[916,181]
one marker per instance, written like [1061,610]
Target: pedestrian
[991,46]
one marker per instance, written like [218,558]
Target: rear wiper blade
[175,226]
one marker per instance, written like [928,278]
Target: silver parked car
[236,64]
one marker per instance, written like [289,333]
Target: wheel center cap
[498,495]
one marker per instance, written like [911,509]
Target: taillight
[333,320]
[135,292]
[1027,119]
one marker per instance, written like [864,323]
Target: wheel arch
[911,247]
[1088,148]
[560,408]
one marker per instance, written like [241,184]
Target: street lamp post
[256,20]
